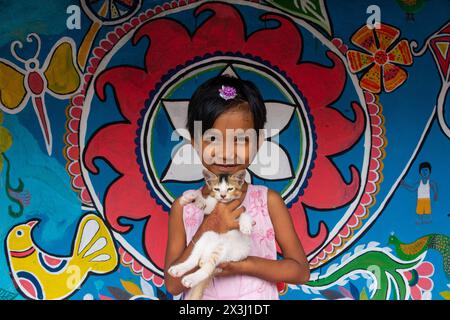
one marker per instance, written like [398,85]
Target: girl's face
[231,144]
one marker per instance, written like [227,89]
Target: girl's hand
[232,268]
[224,217]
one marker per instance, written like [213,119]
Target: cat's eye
[230,189]
[216,189]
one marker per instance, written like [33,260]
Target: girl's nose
[225,154]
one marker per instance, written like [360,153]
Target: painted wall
[86,123]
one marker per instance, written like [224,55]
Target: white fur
[212,248]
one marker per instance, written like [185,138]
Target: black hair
[207,105]
[424,165]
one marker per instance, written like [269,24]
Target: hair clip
[227,92]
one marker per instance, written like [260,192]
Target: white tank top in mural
[424,190]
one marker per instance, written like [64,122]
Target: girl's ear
[239,177]
[209,177]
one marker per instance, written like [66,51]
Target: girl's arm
[294,268]
[176,248]
[221,220]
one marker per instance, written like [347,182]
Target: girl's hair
[207,105]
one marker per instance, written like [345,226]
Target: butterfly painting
[58,76]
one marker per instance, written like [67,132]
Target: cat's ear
[209,177]
[239,177]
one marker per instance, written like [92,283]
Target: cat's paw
[200,202]
[246,228]
[187,282]
[193,279]
[177,271]
[246,225]
[188,197]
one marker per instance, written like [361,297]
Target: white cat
[213,248]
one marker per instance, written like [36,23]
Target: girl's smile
[225,168]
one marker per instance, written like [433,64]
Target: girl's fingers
[238,212]
[235,225]
[222,269]
[220,205]
[233,204]
[222,273]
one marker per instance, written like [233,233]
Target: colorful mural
[92,118]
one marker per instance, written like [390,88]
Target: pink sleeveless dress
[242,287]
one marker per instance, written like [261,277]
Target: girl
[222,103]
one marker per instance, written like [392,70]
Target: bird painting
[41,276]
[410,251]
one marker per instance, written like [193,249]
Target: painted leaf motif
[131,288]
[177,111]
[278,117]
[147,289]
[178,172]
[310,10]
[354,277]
[354,290]
[346,292]
[119,294]
[363,295]
[271,163]
[305,289]
[332,295]
[445,295]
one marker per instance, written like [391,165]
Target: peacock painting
[410,251]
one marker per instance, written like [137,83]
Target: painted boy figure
[424,187]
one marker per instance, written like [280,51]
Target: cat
[213,248]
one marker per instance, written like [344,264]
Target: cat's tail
[196,293]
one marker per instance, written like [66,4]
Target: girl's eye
[208,138]
[19,233]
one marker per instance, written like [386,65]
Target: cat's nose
[223,196]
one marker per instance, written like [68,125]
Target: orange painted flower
[381,60]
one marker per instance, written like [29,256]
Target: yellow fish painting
[40,276]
